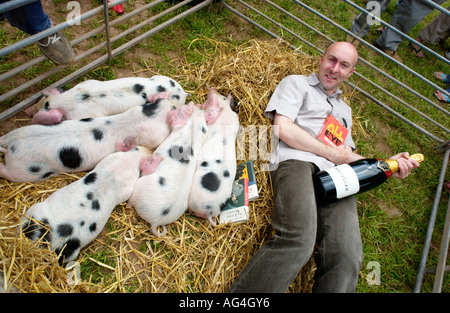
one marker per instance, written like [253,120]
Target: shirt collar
[313,80]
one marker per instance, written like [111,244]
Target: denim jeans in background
[29,18]
[300,226]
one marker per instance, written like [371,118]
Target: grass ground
[393,217]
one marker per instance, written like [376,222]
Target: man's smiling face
[336,65]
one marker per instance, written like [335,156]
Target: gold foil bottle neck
[418,157]
[393,164]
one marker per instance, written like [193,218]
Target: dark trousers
[301,224]
[29,18]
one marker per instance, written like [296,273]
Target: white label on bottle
[345,180]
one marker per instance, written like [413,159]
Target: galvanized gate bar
[108,35]
[399,32]
[81,56]
[383,105]
[437,6]
[355,72]
[430,228]
[364,61]
[27,102]
[10,5]
[45,33]
[79,39]
[374,48]
[441,268]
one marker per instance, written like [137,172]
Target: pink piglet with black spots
[162,197]
[36,152]
[216,166]
[74,215]
[93,98]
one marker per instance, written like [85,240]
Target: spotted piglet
[74,215]
[94,98]
[216,167]
[162,197]
[36,152]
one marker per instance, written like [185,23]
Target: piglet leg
[50,117]
[149,165]
[156,232]
[16,175]
[211,221]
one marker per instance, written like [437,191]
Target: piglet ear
[211,100]
[148,165]
[126,144]
[50,91]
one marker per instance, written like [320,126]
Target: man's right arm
[298,138]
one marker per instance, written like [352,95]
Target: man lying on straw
[299,107]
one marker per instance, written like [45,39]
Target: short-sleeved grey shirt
[303,100]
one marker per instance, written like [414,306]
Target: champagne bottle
[356,177]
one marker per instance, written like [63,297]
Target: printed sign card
[332,133]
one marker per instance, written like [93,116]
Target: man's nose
[334,67]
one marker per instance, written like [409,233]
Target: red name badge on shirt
[332,133]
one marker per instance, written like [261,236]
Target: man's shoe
[118,8]
[57,48]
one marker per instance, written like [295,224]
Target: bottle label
[345,180]
[384,166]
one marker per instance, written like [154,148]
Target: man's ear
[351,72]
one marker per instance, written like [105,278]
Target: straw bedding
[193,256]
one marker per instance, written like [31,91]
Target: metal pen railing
[236,8]
[239,8]
[95,63]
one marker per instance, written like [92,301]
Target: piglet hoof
[149,165]
[211,221]
[157,233]
[164,95]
